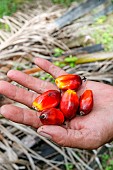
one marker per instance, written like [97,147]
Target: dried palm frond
[29,33]
[32,31]
[17,141]
[38,31]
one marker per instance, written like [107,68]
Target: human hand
[86,132]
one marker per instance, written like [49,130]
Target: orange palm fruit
[52,116]
[69,104]
[68,81]
[86,102]
[48,99]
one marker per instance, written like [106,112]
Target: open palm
[87,132]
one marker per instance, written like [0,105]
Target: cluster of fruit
[57,106]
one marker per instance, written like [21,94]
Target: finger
[84,138]
[21,115]
[30,82]
[49,67]
[18,94]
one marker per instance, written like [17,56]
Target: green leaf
[69,166]
[72,65]
[70,59]
[58,52]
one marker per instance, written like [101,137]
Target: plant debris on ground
[84,47]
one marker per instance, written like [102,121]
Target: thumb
[68,137]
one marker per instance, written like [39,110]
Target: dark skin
[85,132]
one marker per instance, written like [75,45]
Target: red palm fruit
[68,81]
[86,102]
[52,116]
[48,99]
[69,104]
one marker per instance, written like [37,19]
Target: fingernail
[9,72]
[45,135]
